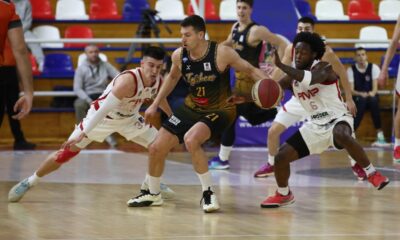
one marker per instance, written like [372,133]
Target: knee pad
[64,155]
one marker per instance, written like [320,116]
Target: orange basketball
[267,93]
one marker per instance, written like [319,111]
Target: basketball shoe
[166,192]
[359,172]
[378,180]
[18,191]
[145,199]
[278,200]
[217,163]
[264,171]
[209,201]
[396,154]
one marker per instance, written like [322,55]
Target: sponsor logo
[185,59]
[174,120]
[207,66]
[188,67]
[308,95]
[319,115]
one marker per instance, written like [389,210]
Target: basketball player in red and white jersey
[292,112]
[116,110]
[315,86]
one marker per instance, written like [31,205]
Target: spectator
[363,79]
[11,28]
[24,10]
[91,78]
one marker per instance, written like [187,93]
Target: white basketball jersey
[323,101]
[131,105]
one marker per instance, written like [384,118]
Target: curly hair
[316,43]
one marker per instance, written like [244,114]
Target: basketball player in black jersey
[206,112]
[246,38]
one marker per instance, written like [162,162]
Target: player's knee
[342,135]
[274,131]
[191,143]
[64,155]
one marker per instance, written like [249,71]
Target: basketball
[266,93]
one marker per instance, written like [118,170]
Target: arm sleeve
[109,104]
[375,71]
[350,75]
[27,18]
[78,85]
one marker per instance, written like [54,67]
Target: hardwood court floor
[86,199]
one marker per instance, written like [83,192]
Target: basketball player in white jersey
[116,110]
[292,112]
[394,43]
[315,86]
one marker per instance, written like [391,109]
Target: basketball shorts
[184,118]
[318,138]
[290,113]
[132,129]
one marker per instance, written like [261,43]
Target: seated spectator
[24,10]
[90,80]
[363,79]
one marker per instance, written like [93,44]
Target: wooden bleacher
[55,126]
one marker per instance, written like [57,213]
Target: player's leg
[282,121]
[373,104]
[49,165]
[396,151]
[342,138]
[294,149]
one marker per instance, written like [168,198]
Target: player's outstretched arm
[264,34]
[389,54]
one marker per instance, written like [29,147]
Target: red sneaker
[359,172]
[378,180]
[264,171]
[396,154]
[278,200]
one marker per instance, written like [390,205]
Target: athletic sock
[396,142]
[369,169]
[283,191]
[271,160]
[154,184]
[34,179]
[224,152]
[205,180]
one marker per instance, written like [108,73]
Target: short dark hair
[316,43]
[154,52]
[360,49]
[196,22]
[306,20]
[249,2]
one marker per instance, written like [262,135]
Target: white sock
[396,142]
[145,183]
[283,191]
[154,184]
[34,179]
[224,152]
[352,161]
[369,169]
[271,159]
[205,180]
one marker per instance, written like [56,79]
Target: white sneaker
[18,191]
[210,202]
[166,192]
[380,143]
[145,199]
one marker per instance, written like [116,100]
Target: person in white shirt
[116,110]
[363,78]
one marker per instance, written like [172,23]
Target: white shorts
[132,129]
[290,113]
[320,137]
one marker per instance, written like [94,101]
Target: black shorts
[298,143]
[184,118]
[254,114]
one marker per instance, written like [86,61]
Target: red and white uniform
[326,108]
[292,111]
[124,119]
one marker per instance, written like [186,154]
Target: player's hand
[23,106]
[236,99]
[150,113]
[351,106]
[383,75]
[73,141]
